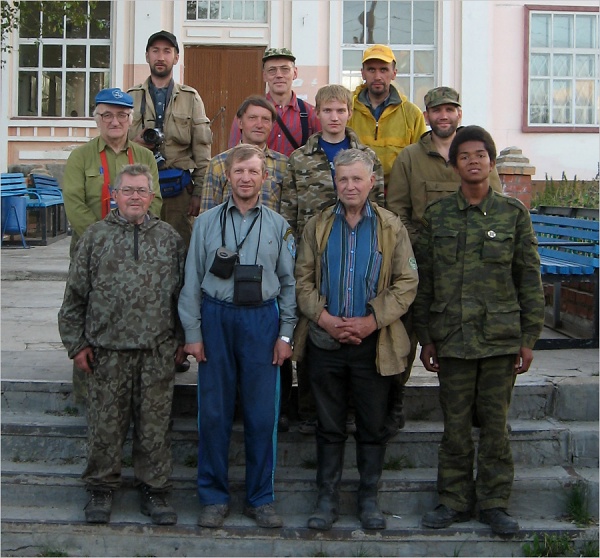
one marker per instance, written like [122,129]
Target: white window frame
[247,5]
[40,70]
[550,126]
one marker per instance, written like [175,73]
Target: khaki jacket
[186,128]
[396,290]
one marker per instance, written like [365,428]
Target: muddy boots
[369,459]
[330,462]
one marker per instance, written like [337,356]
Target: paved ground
[31,293]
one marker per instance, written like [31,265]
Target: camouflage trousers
[175,212]
[484,386]
[126,385]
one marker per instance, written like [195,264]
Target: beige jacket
[186,128]
[396,290]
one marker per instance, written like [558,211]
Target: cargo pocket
[445,246]
[502,321]
[183,123]
[437,320]
[497,247]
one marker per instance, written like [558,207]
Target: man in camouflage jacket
[478,313]
[119,323]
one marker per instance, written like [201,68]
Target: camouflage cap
[278,53]
[441,96]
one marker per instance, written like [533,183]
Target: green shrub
[568,193]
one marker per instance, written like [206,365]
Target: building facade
[527,72]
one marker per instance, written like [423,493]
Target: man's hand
[196,350]
[180,355]
[194,207]
[139,139]
[429,358]
[84,360]
[523,360]
[332,325]
[357,328]
[281,352]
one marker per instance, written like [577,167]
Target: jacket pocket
[182,129]
[502,321]
[445,246]
[497,247]
[437,190]
[437,320]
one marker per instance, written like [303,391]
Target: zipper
[136,229]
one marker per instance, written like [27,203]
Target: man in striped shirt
[296,119]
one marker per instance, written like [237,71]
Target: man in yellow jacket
[384,119]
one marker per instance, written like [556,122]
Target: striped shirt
[216,188]
[290,115]
[351,264]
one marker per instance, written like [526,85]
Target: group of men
[336,236]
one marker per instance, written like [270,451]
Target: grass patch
[549,545]
[577,505]
[66,412]
[589,548]
[397,464]
[52,552]
[568,193]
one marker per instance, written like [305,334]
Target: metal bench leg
[556,321]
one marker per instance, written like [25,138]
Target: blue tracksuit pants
[238,343]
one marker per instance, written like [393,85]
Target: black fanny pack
[247,285]
[173,181]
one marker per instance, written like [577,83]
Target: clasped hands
[347,330]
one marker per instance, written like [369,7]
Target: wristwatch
[285,339]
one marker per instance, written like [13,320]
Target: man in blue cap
[90,172]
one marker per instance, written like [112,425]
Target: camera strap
[238,246]
[151,88]
[105,198]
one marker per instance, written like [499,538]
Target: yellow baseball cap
[379,52]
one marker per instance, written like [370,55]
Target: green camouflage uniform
[308,185]
[480,300]
[121,300]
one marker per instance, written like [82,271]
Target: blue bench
[569,250]
[13,190]
[46,210]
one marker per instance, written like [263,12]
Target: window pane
[76,56]
[584,65]
[400,23]
[77,31]
[354,22]
[100,21]
[225,10]
[51,93]
[191,10]
[424,62]
[202,9]
[539,65]
[539,102]
[540,30]
[584,95]
[585,28]
[28,96]
[98,81]
[100,56]
[261,11]
[52,56]
[29,56]
[53,21]
[403,61]
[249,11]
[561,98]
[403,85]
[238,9]
[562,65]
[422,85]
[424,23]
[377,22]
[75,94]
[29,20]
[563,31]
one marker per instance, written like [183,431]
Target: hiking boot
[265,516]
[98,509]
[213,516]
[307,426]
[154,505]
[443,516]
[499,520]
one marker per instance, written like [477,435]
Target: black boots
[330,462]
[369,459]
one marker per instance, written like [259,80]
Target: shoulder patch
[412,262]
[290,241]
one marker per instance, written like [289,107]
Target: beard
[444,133]
[161,73]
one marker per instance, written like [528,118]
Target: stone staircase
[554,423]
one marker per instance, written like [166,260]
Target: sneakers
[499,520]
[154,505]
[98,509]
[213,516]
[265,516]
[443,516]
[307,426]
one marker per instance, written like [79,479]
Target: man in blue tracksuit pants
[238,310]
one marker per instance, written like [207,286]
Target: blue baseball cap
[114,96]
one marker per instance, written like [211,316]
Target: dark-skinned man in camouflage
[478,313]
[119,323]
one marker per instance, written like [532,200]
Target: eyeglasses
[130,190]
[285,70]
[110,116]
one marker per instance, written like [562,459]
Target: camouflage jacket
[123,285]
[308,185]
[480,290]
[420,175]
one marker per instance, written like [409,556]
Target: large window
[63,65]
[563,67]
[408,27]
[228,10]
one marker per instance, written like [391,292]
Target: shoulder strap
[287,133]
[303,120]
